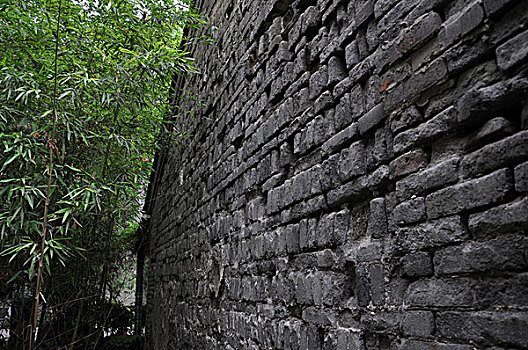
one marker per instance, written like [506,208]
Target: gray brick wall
[356,179]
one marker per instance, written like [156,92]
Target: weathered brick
[363,11]
[419,32]
[336,71]
[318,82]
[476,193]
[435,292]
[409,212]
[478,103]
[352,161]
[513,52]
[344,136]
[482,327]
[371,119]
[418,323]
[493,7]
[409,162]
[319,316]
[351,54]
[431,76]
[377,224]
[461,24]
[417,264]
[377,283]
[310,19]
[493,129]
[493,156]
[463,55]
[383,321]
[521,177]
[499,254]
[510,291]
[438,126]
[432,234]
[400,120]
[510,217]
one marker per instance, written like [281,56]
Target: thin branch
[48,191]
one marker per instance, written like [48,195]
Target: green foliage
[115,63]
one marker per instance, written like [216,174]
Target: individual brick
[272,203]
[342,137]
[343,113]
[369,252]
[421,81]
[464,55]
[510,217]
[400,120]
[495,155]
[364,11]
[292,239]
[347,339]
[521,177]
[310,19]
[493,7]
[492,130]
[342,87]
[513,52]
[381,321]
[371,119]
[509,24]
[479,103]
[377,224]
[330,173]
[341,221]
[351,54]
[409,162]
[318,82]
[382,6]
[417,264]
[323,102]
[436,127]
[336,71]
[352,161]
[455,292]
[409,212]
[362,291]
[335,288]
[486,190]
[459,25]
[378,181]
[350,191]
[325,230]
[504,253]
[377,283]
[319,316]
[432,234]
[419,32]
[510,291]
[418,323]
[484,327]
[371,90]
